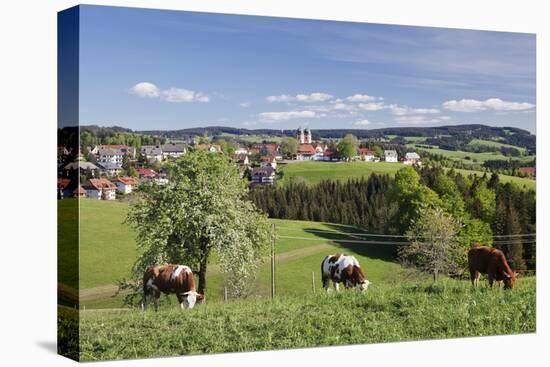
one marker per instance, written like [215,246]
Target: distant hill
[462,133]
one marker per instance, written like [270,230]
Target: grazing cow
[490,261]
[345,269]
[169,279]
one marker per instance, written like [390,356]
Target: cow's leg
[181,301]
[156,299]
[326,282]
[491,279]
[337,286]
[474,277]
[146,300]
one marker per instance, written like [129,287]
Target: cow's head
[509,280]
[191,298]
[363,285]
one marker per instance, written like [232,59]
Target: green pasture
[313,171]
[408,310]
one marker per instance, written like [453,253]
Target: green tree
[202,209]
[347,147]
[289,147]
[434,247]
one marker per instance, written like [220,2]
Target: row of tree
[483,206]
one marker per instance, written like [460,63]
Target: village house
[241,151]
[125,185]
[242,159]
[110,155]
[126,150]
[79,192]
[263,175]
[173,150]
[366,154]
[152,152]
[390,156]
[64,188]
[329,155]
[268,161]
[412,158]
[85,168]
[110,168]
[62,154]
[212,148]
[100,189]
[305,152]
[146,173]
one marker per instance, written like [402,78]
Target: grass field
[474,157]
[492,143]
[313,172]
[385,313]
[108,250]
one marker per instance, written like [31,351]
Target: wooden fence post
[225,294]
[273,260]
[313,281]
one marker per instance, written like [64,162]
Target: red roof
[365,151]
[126,180]
[79,191]
[99,183]
[146,172]
[62,183]
[266,159]
[306,149]
[328,153]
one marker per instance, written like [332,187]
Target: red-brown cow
[490,261]
[169,279]
[343,269]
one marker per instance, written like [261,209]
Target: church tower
[300,136]
[308,138]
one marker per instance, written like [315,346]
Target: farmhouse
[212,148]
[366,154]
[173,150]
[412,158]
[529,171]
[110,168]
[152,152]
[390,156]
[100,189]
[125,185]
[79,192]
[83,167]
[110,155]
[263,175]
[146,173]
[64,188]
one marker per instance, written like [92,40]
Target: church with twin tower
[304,136]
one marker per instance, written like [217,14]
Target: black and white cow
[345,269]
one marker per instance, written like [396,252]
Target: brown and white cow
[345,269]
[490,261]
[170,279]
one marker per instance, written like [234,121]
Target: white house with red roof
[126,185]
[100,189]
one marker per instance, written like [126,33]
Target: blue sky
[151,69]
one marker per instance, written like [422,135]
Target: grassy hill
[313,172]
[108,250]
[385,313]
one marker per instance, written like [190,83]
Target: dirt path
[109,290]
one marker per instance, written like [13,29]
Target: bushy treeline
[93,135]
[386,205]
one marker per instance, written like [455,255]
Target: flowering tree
[201,210]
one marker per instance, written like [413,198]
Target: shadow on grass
[348,235]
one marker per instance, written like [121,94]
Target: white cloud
[496,104]
[145,89]
[405,110]
[150,90]
[362,122]
[419,119]
[245,104]
[287,115]
[363,98]
[313,97]
[372,106]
